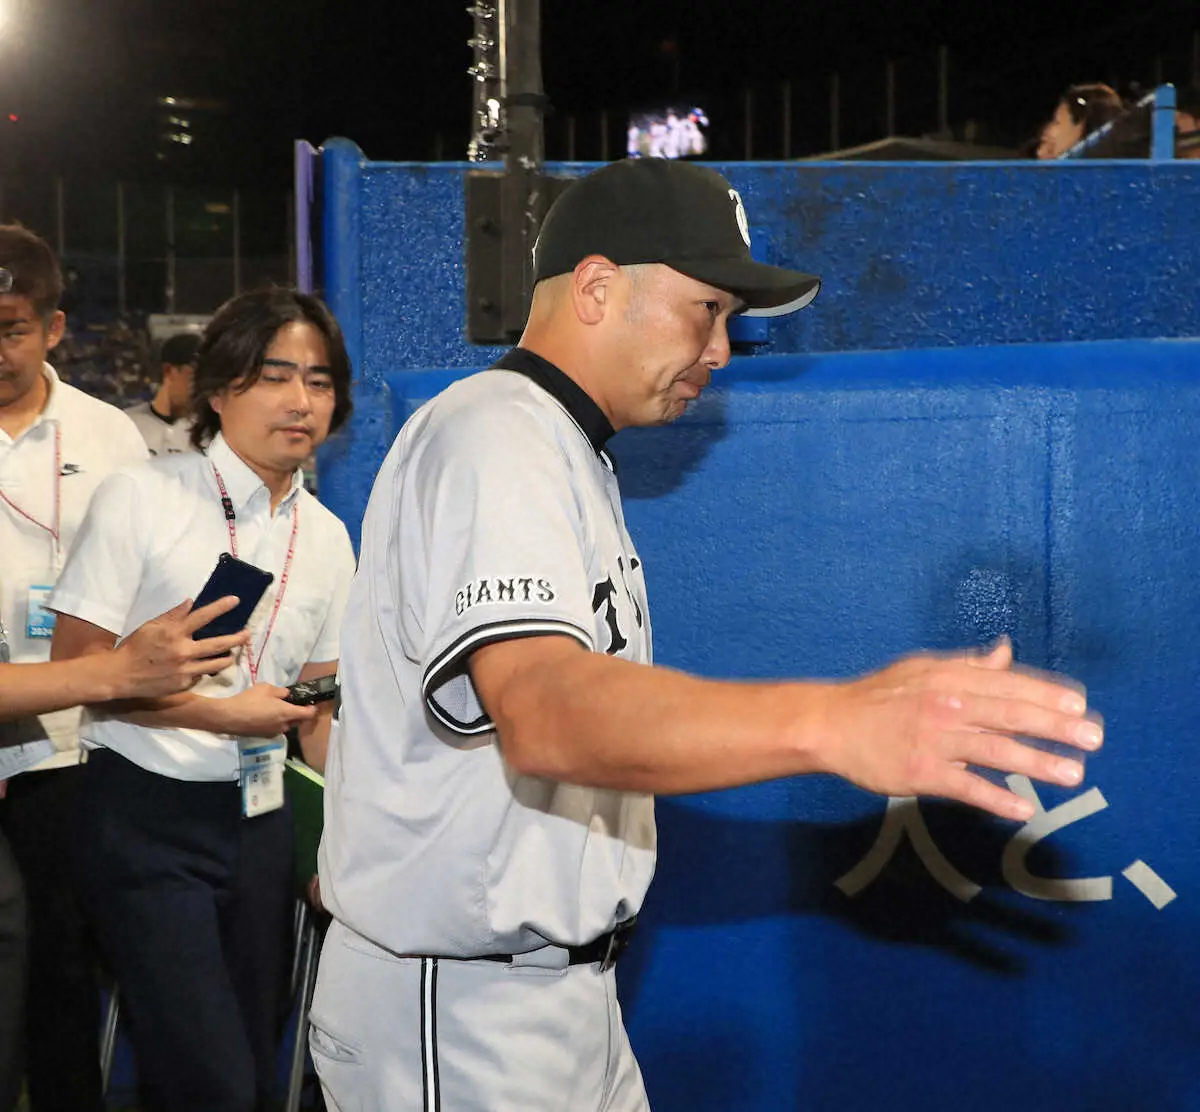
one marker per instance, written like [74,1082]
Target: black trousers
[62,1020]
[12,977]
[192,907]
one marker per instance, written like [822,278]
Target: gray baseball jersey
[164,436]
[495,515]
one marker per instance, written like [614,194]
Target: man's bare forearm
[41,688]
[592,719]
[916,727]
[184,711]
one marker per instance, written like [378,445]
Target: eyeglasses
[6,280]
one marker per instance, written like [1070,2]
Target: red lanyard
[231,522]
[54,530]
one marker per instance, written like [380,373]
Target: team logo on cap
[739,214]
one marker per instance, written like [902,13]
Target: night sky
[82,75]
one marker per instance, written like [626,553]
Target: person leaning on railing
[1080,111]
[1187,121]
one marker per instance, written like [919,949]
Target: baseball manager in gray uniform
[489,812]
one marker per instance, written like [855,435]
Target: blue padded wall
[912,255]
[824,510]
[819,515]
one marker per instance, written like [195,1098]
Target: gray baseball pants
[393,1034]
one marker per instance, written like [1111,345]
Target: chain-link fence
[131,247]
[129,250]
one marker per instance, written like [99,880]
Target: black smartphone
[308,692]
[231,576]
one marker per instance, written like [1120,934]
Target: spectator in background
[165,421]
[1187,121]
[1081,110]
[184,869]
[56,445]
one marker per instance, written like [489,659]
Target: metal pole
[520,26]
[748,150]
[293,264]
[1162,127]
[170,229]
[889,79]
[60,216]
[787,120]
[835,112]
[237,242]
[121,258]
[604,135]
[943,90]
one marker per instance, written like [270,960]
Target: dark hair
[236,342]
[33,267]
[179,350]
[1092,105]
[1187,99]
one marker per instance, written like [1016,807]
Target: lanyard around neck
[254,662]
[54,529]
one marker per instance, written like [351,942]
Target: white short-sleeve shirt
[61,458]
[152,538]
[495,515]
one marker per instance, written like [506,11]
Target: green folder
[306,789]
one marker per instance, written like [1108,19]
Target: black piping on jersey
[580,407]
[448,663]
[431,1085]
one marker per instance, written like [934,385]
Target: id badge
[39,623]
[262,777]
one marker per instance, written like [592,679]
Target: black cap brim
[768,291]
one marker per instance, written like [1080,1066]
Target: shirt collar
[51,411]
[240,479]
[565,390]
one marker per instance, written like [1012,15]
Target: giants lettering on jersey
[494,589]
[604,598]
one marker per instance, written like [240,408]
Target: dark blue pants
[192,908]
[62,1018]
[12,977]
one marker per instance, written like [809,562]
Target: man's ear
[55,329]
[592,288]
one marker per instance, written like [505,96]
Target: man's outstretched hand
[914,727]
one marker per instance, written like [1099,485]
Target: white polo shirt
[89,439]
[164,436]
[152,538]
[495,515]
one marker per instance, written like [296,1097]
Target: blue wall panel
[912,255]
[818,515]
[828,507]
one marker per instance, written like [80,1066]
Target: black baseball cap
[180,350]
[655,210]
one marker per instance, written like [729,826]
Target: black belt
[605,949]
